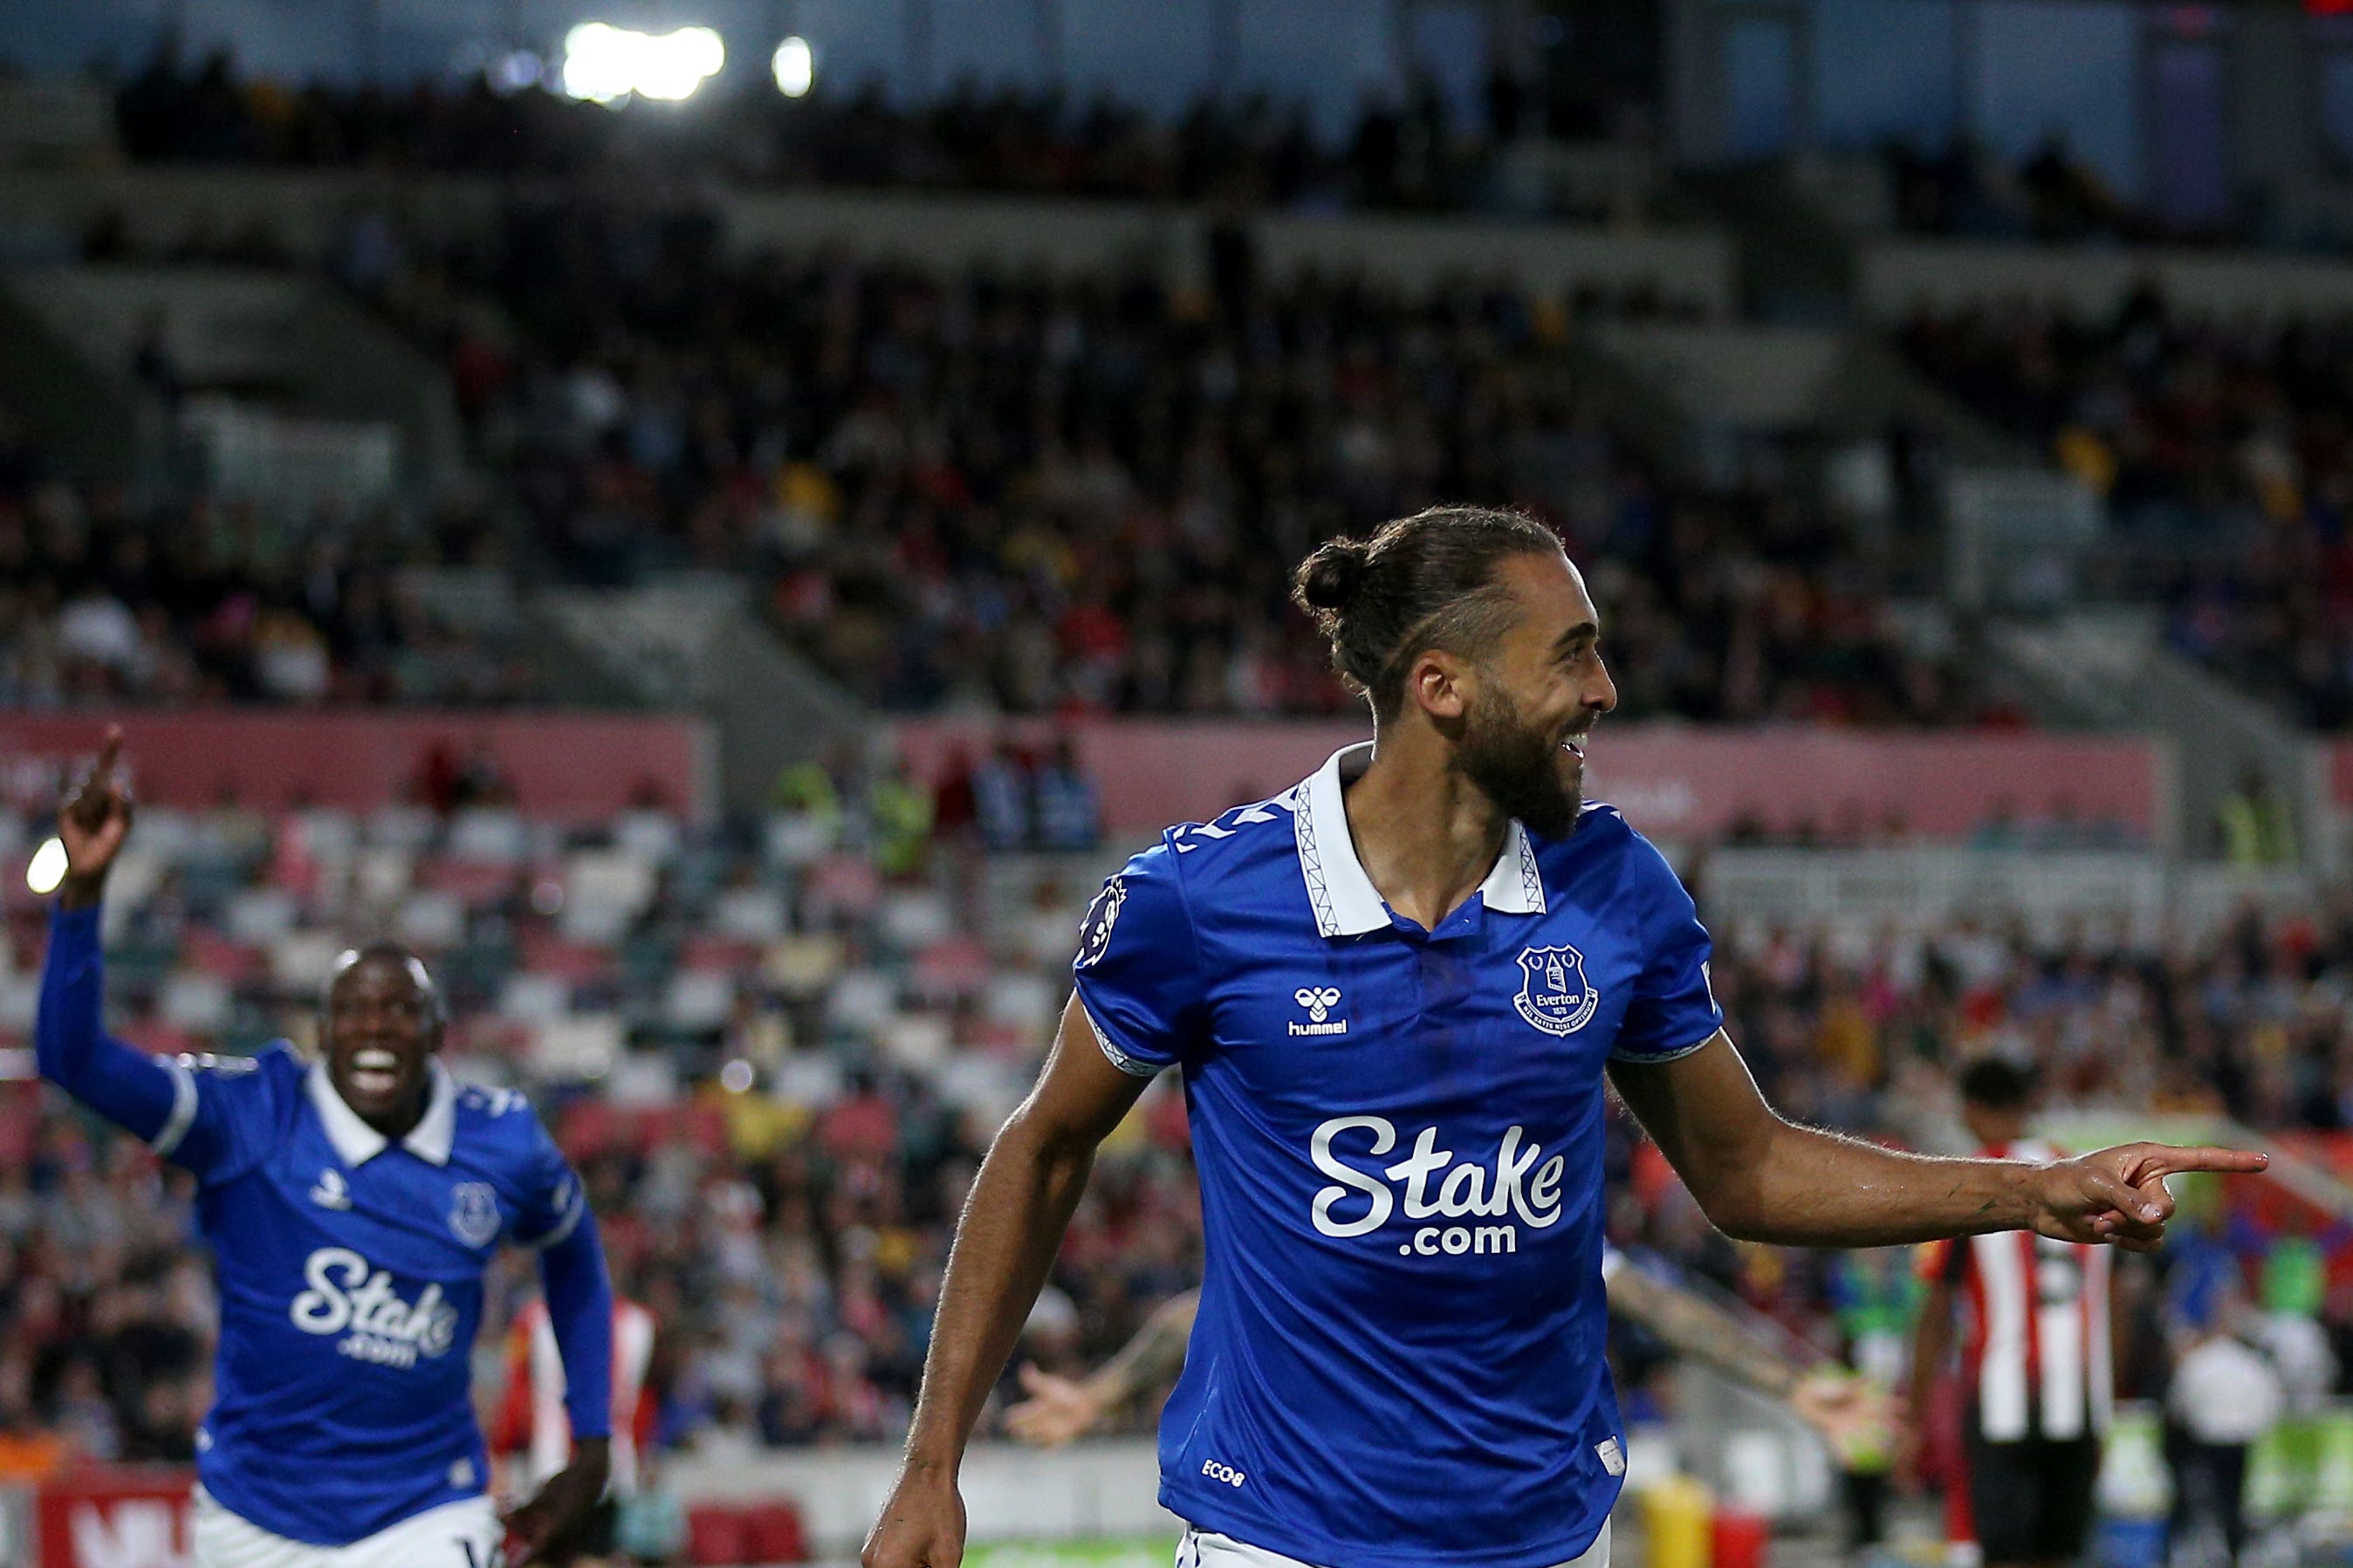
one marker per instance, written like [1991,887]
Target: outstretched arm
[152,1098]
[1013,1222]
[1761,1178]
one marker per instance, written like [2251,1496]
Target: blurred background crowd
[1898,393]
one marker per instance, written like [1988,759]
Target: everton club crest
[474,1213]
[1554,995]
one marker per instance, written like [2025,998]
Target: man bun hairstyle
[1420,581]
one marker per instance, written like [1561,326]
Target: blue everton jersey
[351,1286]
[1399,1358]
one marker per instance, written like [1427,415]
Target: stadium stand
[775,1041]
[2219,450]
[776,1054]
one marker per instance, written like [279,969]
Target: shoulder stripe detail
[1646,1059]
[183,1109]
[563,1228]
[1113,1055]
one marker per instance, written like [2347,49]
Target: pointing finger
[2164,1159]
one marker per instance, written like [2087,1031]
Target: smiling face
[1535,697]
[381,1026]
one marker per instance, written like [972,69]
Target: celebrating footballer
[352,1204]
[1397,993]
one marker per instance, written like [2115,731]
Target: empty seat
[303,960]
[749,914]
[1018,999]
[577,1048]
[699,1001]
[381,875]
[259,916]
[195,1002]
[918,1042]
[801,840]
[604,890]
[718,1535]
[431,920]
[803,966]
[772,1534]
[490,834]
[912,920]
[203,949]
[957,967]
[535,998]
[650,835]
[404,828]
[862,1003]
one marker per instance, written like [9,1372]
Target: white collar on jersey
[356,1142]
[1345,900]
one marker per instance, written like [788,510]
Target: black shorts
[2032,1497]
[591,1535]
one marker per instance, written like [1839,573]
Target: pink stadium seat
[206,949]
[475,882]
[724,954]
[773,1534]
[158,1039]
[577,961]
[589,1128]
[958,966]
[844,884]
[716,1536]
[20,1129]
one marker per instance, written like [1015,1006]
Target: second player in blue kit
[352,1204]
[1396,994]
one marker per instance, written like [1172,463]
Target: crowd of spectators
[777,1049]
[2224,454]
[107,596]
[1414,154]
[1967,190]
[1028,494]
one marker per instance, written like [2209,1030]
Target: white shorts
[1206,1549]
[461,1534]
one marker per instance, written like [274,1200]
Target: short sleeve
[1138,969]
[551,1201]
[1674,1010]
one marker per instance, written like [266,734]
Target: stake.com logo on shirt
[1513,1185]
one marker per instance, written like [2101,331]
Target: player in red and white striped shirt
[532,1427]
[2037,1384]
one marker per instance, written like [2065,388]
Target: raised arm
[1761,1178]
[1013,1222]
[155,1100]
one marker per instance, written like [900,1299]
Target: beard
[1525,771]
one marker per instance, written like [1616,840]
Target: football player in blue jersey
[353,1206]
[1396,994]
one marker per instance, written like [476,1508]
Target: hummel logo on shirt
[332,1192]
[1319,1001]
